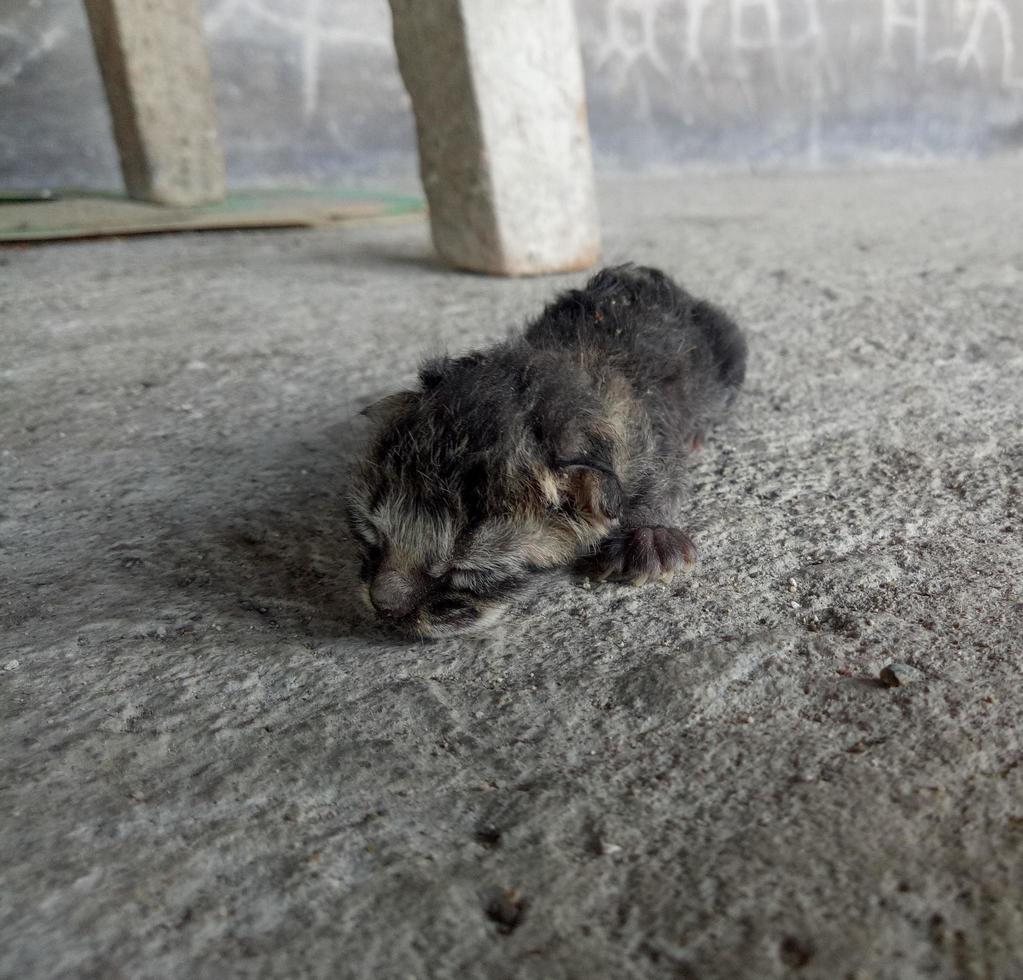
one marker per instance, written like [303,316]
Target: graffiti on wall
[310,26]
[20,48]
[696,49]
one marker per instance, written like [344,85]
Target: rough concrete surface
[214,766]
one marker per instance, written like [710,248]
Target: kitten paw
[641,555]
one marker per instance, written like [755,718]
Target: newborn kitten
[562,446]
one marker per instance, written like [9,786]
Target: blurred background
[309,91]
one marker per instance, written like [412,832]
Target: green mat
[27,216]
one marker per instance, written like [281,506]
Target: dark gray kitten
[562,446]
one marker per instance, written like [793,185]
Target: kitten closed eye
[482,583]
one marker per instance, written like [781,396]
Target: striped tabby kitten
[564,446]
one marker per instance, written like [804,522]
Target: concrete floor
[213,766]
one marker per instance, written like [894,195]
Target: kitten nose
[393,594]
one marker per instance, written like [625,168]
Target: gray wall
[308,89]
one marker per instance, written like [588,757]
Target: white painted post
[504,149]
[153,62]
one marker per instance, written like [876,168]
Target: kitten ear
[391,405]
[592,493]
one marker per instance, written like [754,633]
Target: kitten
[563,446]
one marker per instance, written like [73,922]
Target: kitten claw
[642,555]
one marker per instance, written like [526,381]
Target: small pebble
[507,909]
[792,585]
[898,675]
[12,665]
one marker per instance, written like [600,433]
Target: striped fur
[566,442]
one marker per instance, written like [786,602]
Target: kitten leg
[638,555]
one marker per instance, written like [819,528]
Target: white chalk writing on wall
[27,49]
[637,55]
[310,28]
[693,57]
[904,17]
[980,16]
[629,44]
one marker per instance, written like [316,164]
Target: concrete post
[504,149]
[157,79]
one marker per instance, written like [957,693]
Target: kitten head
[459,504]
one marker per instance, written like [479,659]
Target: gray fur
[565,444]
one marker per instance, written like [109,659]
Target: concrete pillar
[504,148]
[153,61]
